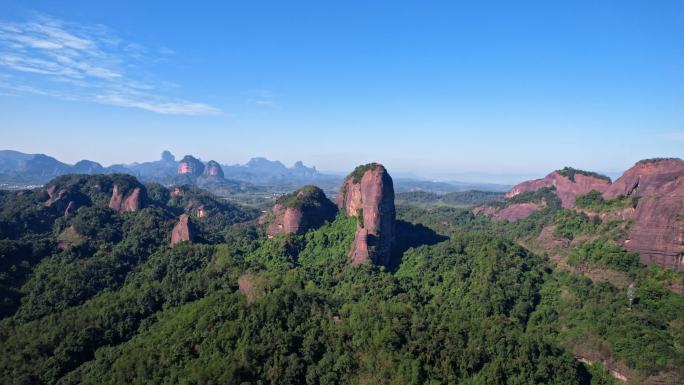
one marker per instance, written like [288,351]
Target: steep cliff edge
[368,194]
[658,230]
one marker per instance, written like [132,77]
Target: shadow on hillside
[410,235]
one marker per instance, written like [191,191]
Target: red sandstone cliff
[298,212]
[368,194]
[190,165]
[183,230]
[567,189]
[657,233]
[658,230]
[646,178]
[130,202]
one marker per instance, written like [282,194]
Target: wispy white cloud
[161,107]
[51,57]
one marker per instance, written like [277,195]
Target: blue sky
[471,90]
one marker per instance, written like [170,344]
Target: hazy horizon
[499,92]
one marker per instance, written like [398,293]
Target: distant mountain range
[19,169]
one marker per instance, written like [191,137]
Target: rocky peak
[568,182]
[167,156]
[213,170]
[183,231]
[125,202]
[368,194]
[302,171]
[191,166]
[299,211]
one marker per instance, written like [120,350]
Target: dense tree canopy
[97,296]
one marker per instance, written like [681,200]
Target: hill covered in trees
[93,294]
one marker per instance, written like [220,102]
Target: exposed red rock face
[368,194]
[658,230]
[295,213]
[213,170]
[191,166]
[657,233]
[130,202]
[359,250]
[177,192]
[183,230]
[284,220]
[511,213]
[646,178]
[566,189]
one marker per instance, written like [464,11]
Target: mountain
[17,167]
[261,171]
[106,279]
[647,199]
[258,175]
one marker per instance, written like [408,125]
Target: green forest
[94,296]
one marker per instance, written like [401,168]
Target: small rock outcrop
[569,184]
[191,166]
[213,170]
[295,213]
[125,203]
[368,194]
[183,231]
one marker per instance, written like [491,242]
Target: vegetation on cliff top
[655,160]
[359,171]
[307,196]
[545,195]
[570,173]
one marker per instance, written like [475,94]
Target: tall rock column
[368,194]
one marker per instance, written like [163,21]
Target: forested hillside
[94,295]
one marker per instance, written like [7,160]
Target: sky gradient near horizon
[493,91]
